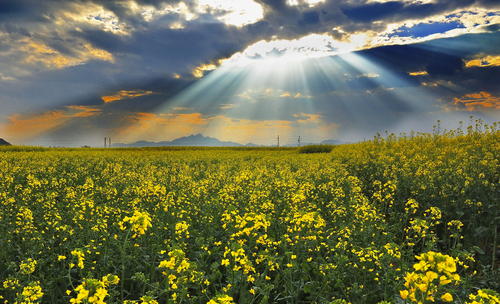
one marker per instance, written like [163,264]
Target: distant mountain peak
[195,140]
[197,135]
[4,142]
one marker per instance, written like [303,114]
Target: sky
[75,71]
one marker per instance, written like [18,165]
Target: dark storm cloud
[397,10]
[374,11]
[351,16]
[440,58]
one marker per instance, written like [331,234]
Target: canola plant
[410,219]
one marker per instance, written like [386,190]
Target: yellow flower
[148,300]
[221,299]
[422,285]
[447,297]
[32,292]
[181,229]
[28,266]
[94,291]
[139,223]
[110,279]
[80,256]
[11,283]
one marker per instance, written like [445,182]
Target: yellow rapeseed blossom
[94,291]
[221,299]
[31,294]
[181,229]
[484,296]
[433,273]
[447,297]
[28,266]
[10,283]
[80,258]
[139,223]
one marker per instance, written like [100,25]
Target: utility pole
[105,141]
[299,141]
[109,142]
[278,141]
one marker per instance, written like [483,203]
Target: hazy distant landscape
[200,140]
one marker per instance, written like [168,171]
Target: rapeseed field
[393,220]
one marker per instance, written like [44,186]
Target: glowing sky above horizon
[73,72]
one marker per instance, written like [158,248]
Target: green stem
[494,249]
[122,281]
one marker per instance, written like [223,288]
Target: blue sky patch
[426,29]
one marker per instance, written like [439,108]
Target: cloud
[369,75]
[200,70]
[182,109]
[310,46]
[125,94]
[134,35]
[39,53]
[234,12]
[24,127]
[158,127]
[481,101]
[272,94]
[71,125]
[82,111]
[6,78]
[227,106]
[297,95]
[418,73]
[483,61]
[305,118]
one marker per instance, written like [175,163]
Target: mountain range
[199,140]
[4,143]
[195,140]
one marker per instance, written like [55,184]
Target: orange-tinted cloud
[38,53]
[485,61]
[477,101]
[418,73]
[182,109]
[158,127]
[22,127]
[83,111]
[125,94]
[199,71]
[296,95]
